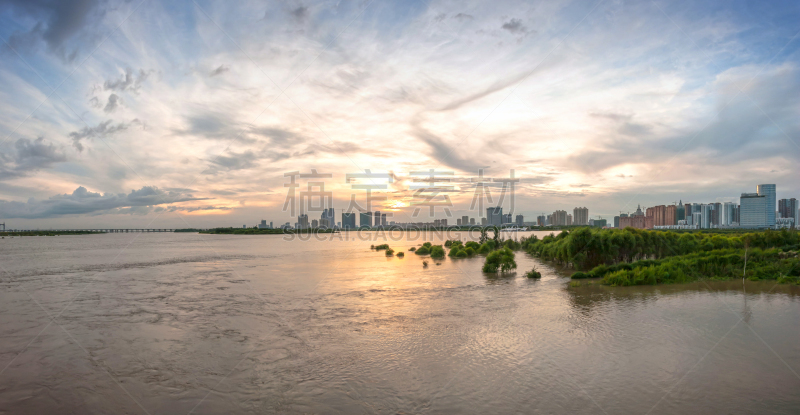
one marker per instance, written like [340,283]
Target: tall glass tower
[768,190]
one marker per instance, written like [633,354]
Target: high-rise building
[302,221]
[671,217]
[787,208]
[616,221]
[728,214]
[768,190]
[383,219]
[753,211]
[707,211]
[471,221]
[541,220]
[559,218]
[464,220]
[365,219]
[494,216]
[580,216]
[569,219]
[687,212]
[315,224]
[680,212]
[377,221]
[484,221]
[520,220]
[349,220]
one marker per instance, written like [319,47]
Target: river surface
[168,323]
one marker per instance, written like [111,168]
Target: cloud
[29,156]
[58,22]
[232,161]
[83,201]
[515,26]
[114,101]
[128,82]
[219,71]
[105,128]
[463,17]
[300,14]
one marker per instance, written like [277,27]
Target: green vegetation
[412,249]
[502,260]
[635,257]
[401,254]
[257,231]
[533,274]
[381,247]
[437,252]
[424,264]
[389,251]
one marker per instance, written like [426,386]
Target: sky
[199,114]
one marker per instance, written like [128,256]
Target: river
[169,323]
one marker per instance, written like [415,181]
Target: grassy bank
[637,257]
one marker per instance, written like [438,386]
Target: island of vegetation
[621,257]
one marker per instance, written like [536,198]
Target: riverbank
[621,257]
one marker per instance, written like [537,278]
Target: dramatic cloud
[608,101]
[83,201]
[28,157]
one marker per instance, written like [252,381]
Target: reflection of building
[580,216]
[753,210]
[768,191]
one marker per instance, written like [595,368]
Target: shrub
[533,274]
[401,254]
[389,252]
[424,264]
[412,249]
[469,251]
[423,250]
[437,252]
[502,260]
[382,247]
[579,275]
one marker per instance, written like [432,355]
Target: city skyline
[591,104]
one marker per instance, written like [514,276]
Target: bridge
[106,230]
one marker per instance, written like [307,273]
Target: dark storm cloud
[82,201]
[129,81]
[29,156]
[105,128]
[219,71]
[114,102]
